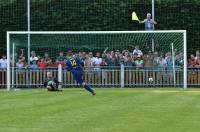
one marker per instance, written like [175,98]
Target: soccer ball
[150,79]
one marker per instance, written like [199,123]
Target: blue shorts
[78,76]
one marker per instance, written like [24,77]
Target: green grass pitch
[112,110]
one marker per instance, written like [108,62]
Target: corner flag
[134,17]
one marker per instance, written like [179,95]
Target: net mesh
[97,42]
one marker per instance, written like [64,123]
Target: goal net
[149,58]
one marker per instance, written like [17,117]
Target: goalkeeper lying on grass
[51,83]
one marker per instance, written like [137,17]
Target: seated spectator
[42,64]
[61,57]
[34,65]
[137,51]
[139,63]
[3,62]
[33,57]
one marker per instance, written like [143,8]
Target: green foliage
[98,15]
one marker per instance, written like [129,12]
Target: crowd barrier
[104,77]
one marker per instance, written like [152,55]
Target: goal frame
[184,32]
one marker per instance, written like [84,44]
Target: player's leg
[79,79]
[88,88]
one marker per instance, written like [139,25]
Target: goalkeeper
[51,83]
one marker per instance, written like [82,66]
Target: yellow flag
[134,17]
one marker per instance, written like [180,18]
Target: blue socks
[88,88]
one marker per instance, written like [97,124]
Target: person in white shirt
[137,51]
[33,57]
[97,60]
[3,62]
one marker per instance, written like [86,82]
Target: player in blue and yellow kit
[75,65]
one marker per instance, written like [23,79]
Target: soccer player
[51,83]
[148,22]
[75,65]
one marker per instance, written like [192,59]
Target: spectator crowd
[135,58]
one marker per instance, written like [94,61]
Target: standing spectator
[162,63]
[88,60]
[57,63]
[61,56]
[46,57]
[119,59]
[192,61]
[42,64]
[103,63]
[148,60]
[50,64]
[22,58]
[169,61]
[148,22]
[179,60]
[3,62]
[128,61]
[20,64]
[139,63]
[97,60]
[137,51]
[197,55]
[156,60]
[125,57]
[33,57]
[34,65]
[22,54]
[169,68]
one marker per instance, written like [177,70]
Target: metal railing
[104,77]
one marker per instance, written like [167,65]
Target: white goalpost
[133,36]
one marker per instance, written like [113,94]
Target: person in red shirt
[57,62]
[42,64]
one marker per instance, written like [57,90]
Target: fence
[105,77]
